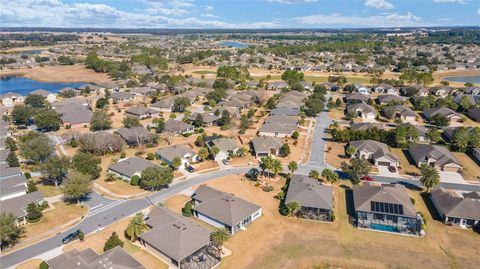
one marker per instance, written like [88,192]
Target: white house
[49,96]
[10,99]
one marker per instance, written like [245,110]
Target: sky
[238,13]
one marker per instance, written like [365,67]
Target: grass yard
[335,156]
[30,264]
[274,241]
[49,190]
[471,170]
[406,168]
[205,166]
[336,114]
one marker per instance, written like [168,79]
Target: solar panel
[386,208]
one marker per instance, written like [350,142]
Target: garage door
[384,163]
[450,169]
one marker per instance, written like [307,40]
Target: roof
[265,143]
[309,193]
[206,117]
[115,258]
[363,126]
[140,110]
[41,92]
[122,95]
[285,111]
[74,113]
[12,185]
[277,128]
[223,143]
[17,205]
[402,110]
[171,152]
[449,203]
[362,107]
[474,114]
[357,97]
[444,111]
[281,119]
[176,126]
[6,171]
[223,207]
[377,149]
[173,235]
[133,133]
[364,194]
[422,152]
[4,154]
[387,98]
[421,130]
[164,103]
[130,166]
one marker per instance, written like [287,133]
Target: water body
[234,44]
[24,86]
[471,79]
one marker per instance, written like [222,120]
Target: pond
[234,44]
[471,79]
[24,86]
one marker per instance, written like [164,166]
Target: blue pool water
[385,228]
[471,79]
[234,44]
[24,86]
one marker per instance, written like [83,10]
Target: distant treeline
[41,37]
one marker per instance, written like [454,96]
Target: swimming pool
[383,227]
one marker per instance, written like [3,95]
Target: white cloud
[450,1]
[478,11]
[291,2]
[379,4]
[209,15]
[208,7]
[384,20]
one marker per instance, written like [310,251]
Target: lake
[472,79]
[24,86]
[234,44]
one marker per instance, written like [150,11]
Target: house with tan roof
[437,156]
[378,153]
[362,110]
[457,209]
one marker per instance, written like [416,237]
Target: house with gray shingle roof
[135,135]
[224,144]
[386,208]
[49,96]
[186,154]
[461,210]
[405,114]
[390,98]
[17,206]
[10,99]
[129,167]
[277,129]
[374,151]
[141,112]
[178,240]
[122,97]
[74,115]
[315,199]
[178,127]
[264,146]
[474,114]
[207,118]
[223,210]
[452,116]
[364,126]
[439,157]
[164,105]
[366,112]
[356,98]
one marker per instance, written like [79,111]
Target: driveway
[384,172]
[451,177]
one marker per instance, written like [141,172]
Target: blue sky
[239,14]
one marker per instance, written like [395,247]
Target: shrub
[295,135]
[267,188]
[149,145]
[81,236]
[187,209]
[187,134]
[135,180]
[73,143]
[27,175]
[280,195]
[123,155]
[139,153]
[150,156]
[332,217]
[257,184]
[44,205]
[284,211]
[44,265]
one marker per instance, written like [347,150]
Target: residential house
[474,90]
[10,99]
[143,91]
[421,132]
[178,127]
[223,210]
[356,98]
[89,259]
[439,157]
[285,111]
[49,96]
[264,146]
[17,206]
[178,240]
[74,115]
[277,130]
[122,97]
[385,208]
[377,152]
[12,185]
[227,146]
[453,117]
[366,112]
[164,105]
[185,154]
[440,91]
[135,136]
[472,99]
[277,85]
[404,113]
[129,167]
[385,88]
[476,153]
[207,118]
[457,209]
[390,99]
[474,114]
[315,199]
[364,126]
[141,112]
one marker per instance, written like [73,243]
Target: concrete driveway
[383,172]
[451,177]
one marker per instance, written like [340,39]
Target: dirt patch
[406,167]
[30,264]
[471,170]
[177,202]
[207,165]
[335,154]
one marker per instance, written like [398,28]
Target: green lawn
[204,72]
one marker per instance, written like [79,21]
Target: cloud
[209,15]
[292,2]
[450,1]
[208,7]
[478,11]
[379,4]
[384,20]
[171,8]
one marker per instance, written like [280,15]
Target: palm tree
[329,175]
[314,174]
[136,227]
[292,166]
[293,208]
[350,151]
[219,236]
[276,167]
[266,164]
[430,177]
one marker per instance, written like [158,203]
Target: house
[330,86]
[178,240]
[227,146]
[74,115]
[374,151]
[10,99]
[178,127]
[207,118]
[129,167]
[49,96]
[89,259]
[315,199]
[122,97]
[18,205]
[277,130]
[476,153]
[439,157]
[389,99]
[282,119]
[264,146]
[461,210]
[12,186]
[363,90]
[472,99]
[474,90]
[364,126]
[277,85]
[356,98]
[223,210]
[385,88]
[474,114]
[285,111]
[135,136]
[366,112]
[164,105]
[421,132]
[385,208]
[453,117]
[141,112]
[143,91]
[404,113]
[440,91]
[168,154]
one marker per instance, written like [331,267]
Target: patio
[389,223]
[205,258]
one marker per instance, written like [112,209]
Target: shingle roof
[17,205]
[171,152]
[12,184]
[131,134]
[277,128]
[223,207]
[176,126]
[140,110]
[309,193]
[41,92]
[402,110]
[363,126]
[223,143]
[130,166]
[384,193]
[387,98]
[448,203]
[74,113]
[264,143]
[362,107]
[444,111]
[173,235]
[442,155]
[377,149]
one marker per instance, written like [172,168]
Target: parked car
[392,169]
[71,236]
[190,169]
[226,161]
[368,178]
